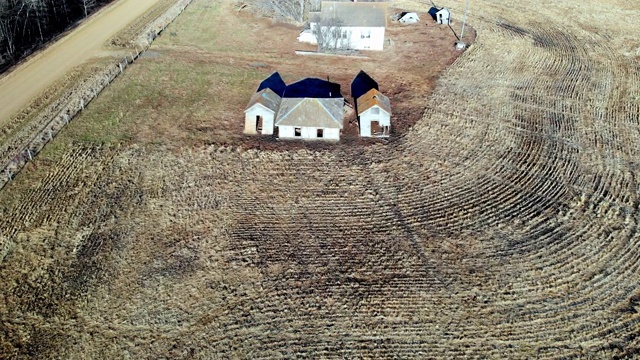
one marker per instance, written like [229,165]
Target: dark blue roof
[361,84]
[313,88]
[273,82]
[433,11]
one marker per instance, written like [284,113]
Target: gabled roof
[273,82]
[358,14]
[372,98]
[309,112]
[433,11]
[312,88]
[408,15]
[361,84]
[267,98]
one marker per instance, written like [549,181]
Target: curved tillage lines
[504,224]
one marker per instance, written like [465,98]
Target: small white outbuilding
[307,36]
[373,108]
[443,16]
[260,114]
[408,18]
[374,114]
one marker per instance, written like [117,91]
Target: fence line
[18,156]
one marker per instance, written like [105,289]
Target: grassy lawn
[170,99]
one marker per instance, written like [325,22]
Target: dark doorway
[258,123]
[378,130]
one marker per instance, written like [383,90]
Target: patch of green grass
[194,28]
[166,100]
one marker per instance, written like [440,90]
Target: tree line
[290,10]
[25,25]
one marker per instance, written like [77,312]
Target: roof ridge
[279,119]
[329,111]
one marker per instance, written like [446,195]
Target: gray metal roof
[267,98]
[357,14]
[311,112]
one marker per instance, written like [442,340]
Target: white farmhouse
[348,25]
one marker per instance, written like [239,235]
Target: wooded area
[26,25]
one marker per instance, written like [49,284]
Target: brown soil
[502,224]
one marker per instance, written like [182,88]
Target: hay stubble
[502,224]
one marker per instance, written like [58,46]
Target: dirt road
[34,76]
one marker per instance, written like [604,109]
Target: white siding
[366,118]
[410,18]
[443,16]
[332,134]
[358,38]
[365,127]
[250,120]
[366,38]
[268,125]
[285,132]
[307,133]
[307,36]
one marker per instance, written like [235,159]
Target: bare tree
[284,9]
[87,6]
[331,35]
[25,25]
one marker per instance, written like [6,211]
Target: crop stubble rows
[504,223]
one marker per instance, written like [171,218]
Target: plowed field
[499,221]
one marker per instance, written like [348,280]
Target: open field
[503,223]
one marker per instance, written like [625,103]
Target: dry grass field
[500,222]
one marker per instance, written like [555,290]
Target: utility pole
[460,45]
[464,20]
